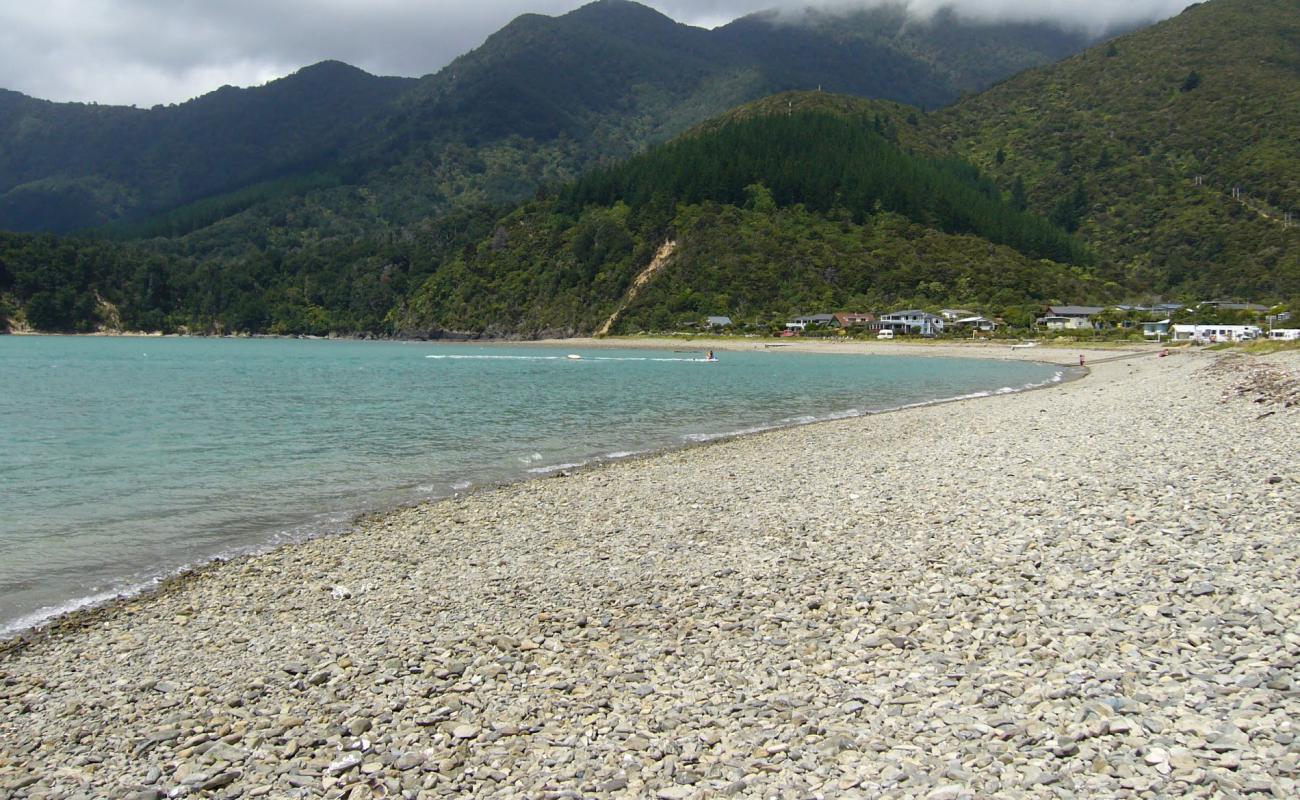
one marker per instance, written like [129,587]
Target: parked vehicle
[885,334]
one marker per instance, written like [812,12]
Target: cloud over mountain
[158,51]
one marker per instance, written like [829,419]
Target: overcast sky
[144,52]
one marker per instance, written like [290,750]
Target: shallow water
[125,459]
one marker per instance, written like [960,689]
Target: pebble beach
[1090,590]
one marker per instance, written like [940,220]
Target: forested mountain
[766,215]
[73,165]
[937,58]
[759,218]
[540,101]
[1141,142]
[1110,175]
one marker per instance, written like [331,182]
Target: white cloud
[159,51]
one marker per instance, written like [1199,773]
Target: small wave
[803,419]
[558,467]
[709,437]
[480,357]
[788,422]
[617,454]
[465,357]
[461,486]
[46,613]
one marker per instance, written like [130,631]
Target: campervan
[1215,334]
[885,334]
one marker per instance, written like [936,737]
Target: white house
[1215,333]
[1155,330]
[1069,317]
[978,322]
[913,320]
[718,322]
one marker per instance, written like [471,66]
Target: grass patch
[1265,346]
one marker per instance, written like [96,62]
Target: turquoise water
[125,459]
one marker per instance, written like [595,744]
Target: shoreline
[1064,353]
[71,618]
[649,341]
[774,614]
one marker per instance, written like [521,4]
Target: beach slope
[1088,590]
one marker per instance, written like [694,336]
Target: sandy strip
[1089,590]
[1053,353]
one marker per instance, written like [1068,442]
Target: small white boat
[1024,345]
[575,356]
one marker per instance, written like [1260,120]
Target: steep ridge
[1145,144]
[769,215]
[539,102]
[72,165]
[1141,162]
[639,282]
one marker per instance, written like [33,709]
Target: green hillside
[1108,176]
[73,165]
[938,57]
[768,215]
[1155,130]
[539,102]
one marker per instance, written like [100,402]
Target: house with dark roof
[816,319]
[1224,305]
[1069,317]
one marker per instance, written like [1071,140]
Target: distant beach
[1088,589]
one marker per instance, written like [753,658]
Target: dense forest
[544,272]
[1154,133]
[774,214]
[826,163]
[345,285]
[1158,165]
[540,101]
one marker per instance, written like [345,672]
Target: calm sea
[125,459]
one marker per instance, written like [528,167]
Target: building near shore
[1156,330]
[977,322]
[914,321]
[954,314]
[848,319]
[824,320]
[1213,334]
[1060,318]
